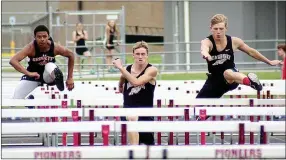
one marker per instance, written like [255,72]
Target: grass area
[155,59]
[199,76]
[194,76]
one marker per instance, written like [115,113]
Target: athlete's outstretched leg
[250,80]
[53,74]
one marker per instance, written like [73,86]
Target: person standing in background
[111,32]
[79,37]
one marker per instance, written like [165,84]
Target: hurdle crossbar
[214,111]
[58,102]
[242,111]
[138,111]
[37,113]
[147,126]
[153,152]
[34,102]
[199,102]
[227,102]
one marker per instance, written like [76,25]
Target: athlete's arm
[85,35]
[60,50]
[19,56]
[117,35]
[74,37]
[107,31]
[205,48]
[121,83]
[150,74]
[239,44]
[121,80]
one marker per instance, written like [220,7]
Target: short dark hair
[41,28]
[282,46]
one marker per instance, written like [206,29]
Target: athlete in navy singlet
[137,83]
[41,67]
[218,50]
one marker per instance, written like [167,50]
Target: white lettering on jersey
[134,90]
[220,59]
[43,60]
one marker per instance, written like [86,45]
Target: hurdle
[162,126]
[276,87]
[180,102]
[142,112]
[243,102]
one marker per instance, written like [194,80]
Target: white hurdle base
[115,152]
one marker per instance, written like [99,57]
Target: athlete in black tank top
[218,50]
[42,52]
[222,60]
[137,83]
[138,96]
[37,63]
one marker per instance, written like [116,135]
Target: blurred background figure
[111,33]
[79,37]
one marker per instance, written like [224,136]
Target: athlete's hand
[70,84]
[208,57]
[117,63]
[34,74]
[108,45]
[275,62]
[120,89]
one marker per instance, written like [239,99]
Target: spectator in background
[282,53]
[79,37]
[111,33]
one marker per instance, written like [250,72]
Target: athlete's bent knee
[132,118]
[228,76]
[47,75]
[227,73]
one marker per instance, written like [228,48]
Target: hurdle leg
[64,119]
[177,134]
[251,134]
[263,135]
[231,134]
[115,139]
[75,135]
[268,118]
[238,96]
[214,133]
[105,134]
[79,119]
[241,139]
[171,134]
[258,117]
[91,134]
[159,119]
[54,135]
[203,116]
[222,133]
[48,134]
[187,118]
